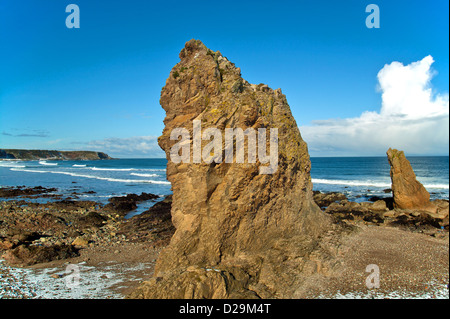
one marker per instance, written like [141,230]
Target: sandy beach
[411,266]
[119,254]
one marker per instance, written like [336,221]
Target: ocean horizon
[359,178]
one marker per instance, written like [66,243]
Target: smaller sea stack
[408,192]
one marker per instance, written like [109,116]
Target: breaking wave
[144,175]
[112,169]
[110,179]
[49,164]
[368,183]
[128,169]
[11,165]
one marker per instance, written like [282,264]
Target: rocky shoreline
[60,232]
[381,212]
[32,233]
[46,237]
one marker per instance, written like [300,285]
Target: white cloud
[136,146]
[411,118]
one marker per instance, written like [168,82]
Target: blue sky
[98,87]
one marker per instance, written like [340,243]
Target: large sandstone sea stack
[239,233]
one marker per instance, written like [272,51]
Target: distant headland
[51,155]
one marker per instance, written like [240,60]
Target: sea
[363,178]
[359,178]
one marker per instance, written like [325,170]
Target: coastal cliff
[51,155]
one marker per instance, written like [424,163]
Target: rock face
[239,233]
[407,191]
